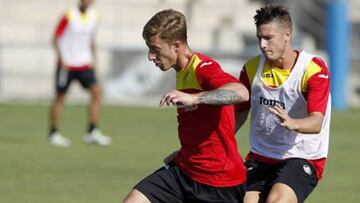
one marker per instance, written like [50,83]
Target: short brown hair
[169,24]
[271,13]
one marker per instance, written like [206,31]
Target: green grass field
[33,172]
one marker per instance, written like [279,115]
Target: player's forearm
[93,52]
[232,93]
[309,125]
[55,42]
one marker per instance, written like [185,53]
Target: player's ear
[287,35]
[177,45]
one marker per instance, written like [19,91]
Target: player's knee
[277,198]
[95,92]
[59,99]
[281,193]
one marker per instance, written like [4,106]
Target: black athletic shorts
[297,173]
[169,185]
[65,77]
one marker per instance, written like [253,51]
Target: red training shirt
[208,153]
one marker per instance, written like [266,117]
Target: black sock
[52,130]
[91,127]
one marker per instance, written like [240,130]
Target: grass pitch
[33,172]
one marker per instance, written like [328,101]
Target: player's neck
[184,59]
[83,8]
[287,61]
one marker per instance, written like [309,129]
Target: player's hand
[285,120]
[93,66]
[176,97]
[61,65]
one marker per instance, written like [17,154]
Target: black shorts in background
[169,185]
[296,173]
[65,77]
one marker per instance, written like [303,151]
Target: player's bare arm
[231,93]
[308,125]
[94,52]
[220,97]
[55,42]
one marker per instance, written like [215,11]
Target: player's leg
[252,197]
[281,193]
[135,196]
[259,177]
[94,106]
[88,80]
[295,181]
[55,111]
[93,135]
[62,82]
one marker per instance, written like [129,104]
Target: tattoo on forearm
[220,97]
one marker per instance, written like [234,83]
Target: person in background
[74,42]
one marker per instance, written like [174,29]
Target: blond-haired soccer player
[74,42]
[208,166]
[290,113]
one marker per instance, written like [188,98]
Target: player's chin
[163,68]
[268,55]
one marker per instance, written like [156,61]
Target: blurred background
[222,29]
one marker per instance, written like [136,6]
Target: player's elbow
[243,93]
[317,120]
[314,128]
[239,92]
[317,128]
